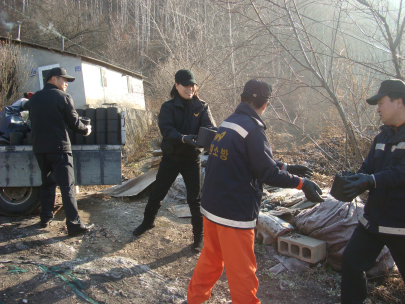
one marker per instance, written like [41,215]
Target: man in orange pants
[240,162]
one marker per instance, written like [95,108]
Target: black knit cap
[387,86]
[184,77]
[59,72]
[257,89]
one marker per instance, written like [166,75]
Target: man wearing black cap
[383,173]
[180,118]
[240,162]
[51,110]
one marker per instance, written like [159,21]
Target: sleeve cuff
[284,167]
[299,187]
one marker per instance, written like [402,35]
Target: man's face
[60,82]
[388,110]
[187,92]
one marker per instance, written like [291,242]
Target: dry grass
[390,290]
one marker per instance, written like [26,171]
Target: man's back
[51,110]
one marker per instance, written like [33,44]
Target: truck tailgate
[93,164]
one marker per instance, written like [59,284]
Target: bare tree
[388,30]
[15,72]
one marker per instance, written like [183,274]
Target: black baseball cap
[59,72]
[387,86]
[257,89]
[184,77]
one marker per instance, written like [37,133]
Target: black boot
[197,222]
[148,220]
[142,228]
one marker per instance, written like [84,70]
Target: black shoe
[198,243]
[80,230]
[142,228]
[44,224]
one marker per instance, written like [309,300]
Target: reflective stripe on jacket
[385,206]
[240,161]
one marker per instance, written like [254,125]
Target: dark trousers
[61,167]
[190,169]
[360,255]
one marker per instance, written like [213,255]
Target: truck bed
[93,165]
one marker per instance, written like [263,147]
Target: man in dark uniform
[179,120]
[240,162]
[383,173]
[51,111]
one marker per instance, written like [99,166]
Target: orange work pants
[233,248]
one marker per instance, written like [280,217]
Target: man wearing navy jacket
[383,173]
[240,162]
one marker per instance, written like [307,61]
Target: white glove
[88,130]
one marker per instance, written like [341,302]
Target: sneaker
[80,230]
[142,228]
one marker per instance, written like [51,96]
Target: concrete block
[265,238]
[302,247]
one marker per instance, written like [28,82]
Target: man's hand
[300,170]
[360,183]
[88,130]
[189,139]
[312,191]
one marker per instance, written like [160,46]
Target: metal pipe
[63,44]
[19,30]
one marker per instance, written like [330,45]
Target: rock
[106,249]
[20,245]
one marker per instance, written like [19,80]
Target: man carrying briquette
[51,111]
[240,161]
[383,173]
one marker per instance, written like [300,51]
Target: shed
[97,82]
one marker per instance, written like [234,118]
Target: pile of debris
[301,233]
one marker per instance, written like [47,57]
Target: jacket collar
[394,136]
[178,103]
[49,86]
[244,108]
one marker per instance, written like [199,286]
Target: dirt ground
[110,265]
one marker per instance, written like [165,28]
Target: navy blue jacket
[385,206]
[175,120]
[240,162]
[51,111]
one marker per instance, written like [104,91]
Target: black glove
[189,139]
[312,191]
[360,183]
[300,170]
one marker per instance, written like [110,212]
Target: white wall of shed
[71,64]
[116,91]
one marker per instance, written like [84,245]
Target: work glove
[88,127]
[189,139]
[312,191]
[360,183]
[300,170]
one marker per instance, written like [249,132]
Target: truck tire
[16,201]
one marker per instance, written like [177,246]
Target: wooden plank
[157,153]
[133,186]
